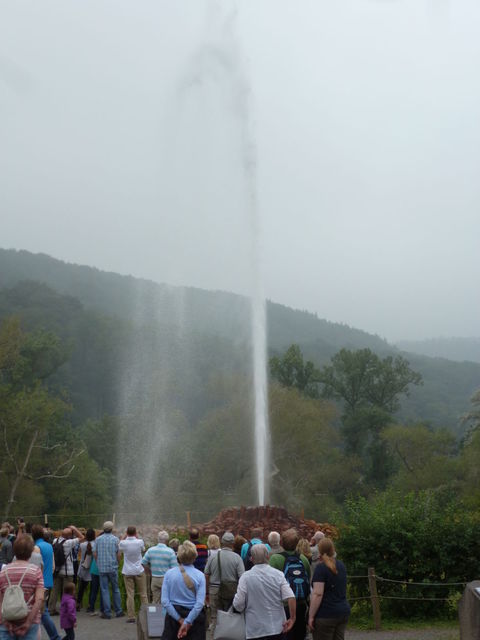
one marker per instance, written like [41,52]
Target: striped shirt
[160,559]
[33,580]
[106,549]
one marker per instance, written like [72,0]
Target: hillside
[117,323]
[457,349]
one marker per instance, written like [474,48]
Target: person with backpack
[64,572]
[296,569]
[246,552]
[21,594]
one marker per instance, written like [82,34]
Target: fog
[366,132]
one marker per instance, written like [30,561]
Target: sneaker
[105,617]
[93,613]
[130,620]
[120,615]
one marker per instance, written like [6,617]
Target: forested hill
[194,333]
[214,312]
[458,349]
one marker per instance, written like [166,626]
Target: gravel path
[94,628]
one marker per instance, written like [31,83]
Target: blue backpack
[296,575]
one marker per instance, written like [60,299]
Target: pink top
[32,580]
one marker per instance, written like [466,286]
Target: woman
[329,609]
[213,544]
[303,547]
[183,597]
[238,544]
[85,557]
[30,578]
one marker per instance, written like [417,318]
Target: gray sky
[121,147]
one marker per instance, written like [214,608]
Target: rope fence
[375,597]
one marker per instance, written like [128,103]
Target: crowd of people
[286,586]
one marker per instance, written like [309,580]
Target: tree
[36,440]
[370,390]
[361,378]
[292,371]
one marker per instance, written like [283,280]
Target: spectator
[213,544]
[296,568]
[183,597]
[202,550]
[46,551]
[274,542]
[133,572]
[225,567]
[238,543]
[85,556]
[317,536]
[29,577]
[174,544]
[68,611]
[256,538]
[261,592]
[156,562]
[6,547]
[106,554]
[329,608]
[63,571]
[94,588]
[303,547]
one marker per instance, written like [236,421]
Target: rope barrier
[423,584]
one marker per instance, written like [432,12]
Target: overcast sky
[121,148]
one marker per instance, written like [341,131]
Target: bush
[422,537]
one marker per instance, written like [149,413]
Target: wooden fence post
[372,585]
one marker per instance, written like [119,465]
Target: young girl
[68,611]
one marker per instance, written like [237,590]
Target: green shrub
[421,537]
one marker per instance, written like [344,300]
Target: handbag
[230,626]
[227,588]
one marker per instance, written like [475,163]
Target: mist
[367,138]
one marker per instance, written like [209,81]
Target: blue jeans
[49,626]
[94,589]
[31,634]
[105,579]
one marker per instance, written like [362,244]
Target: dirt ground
[94,628]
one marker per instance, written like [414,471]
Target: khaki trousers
[213,598]
[59,583]
[141,583]
[157,589]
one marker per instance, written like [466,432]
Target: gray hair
[318,535]
[259,553]
[273,538]
[163,536]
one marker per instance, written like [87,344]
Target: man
[133,572]
[46,551]
[107,555]
[317,536]
[156,562]
[256,538]
[6,548]
[261,592]
[296,569]
[274,542]
[63,547]
[202,550]
[224,567]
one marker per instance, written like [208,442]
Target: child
[68,611]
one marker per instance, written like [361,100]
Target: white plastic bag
[230,626]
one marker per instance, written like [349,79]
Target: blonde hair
[213,541]
[303,546]
[326,549]
[187,553]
